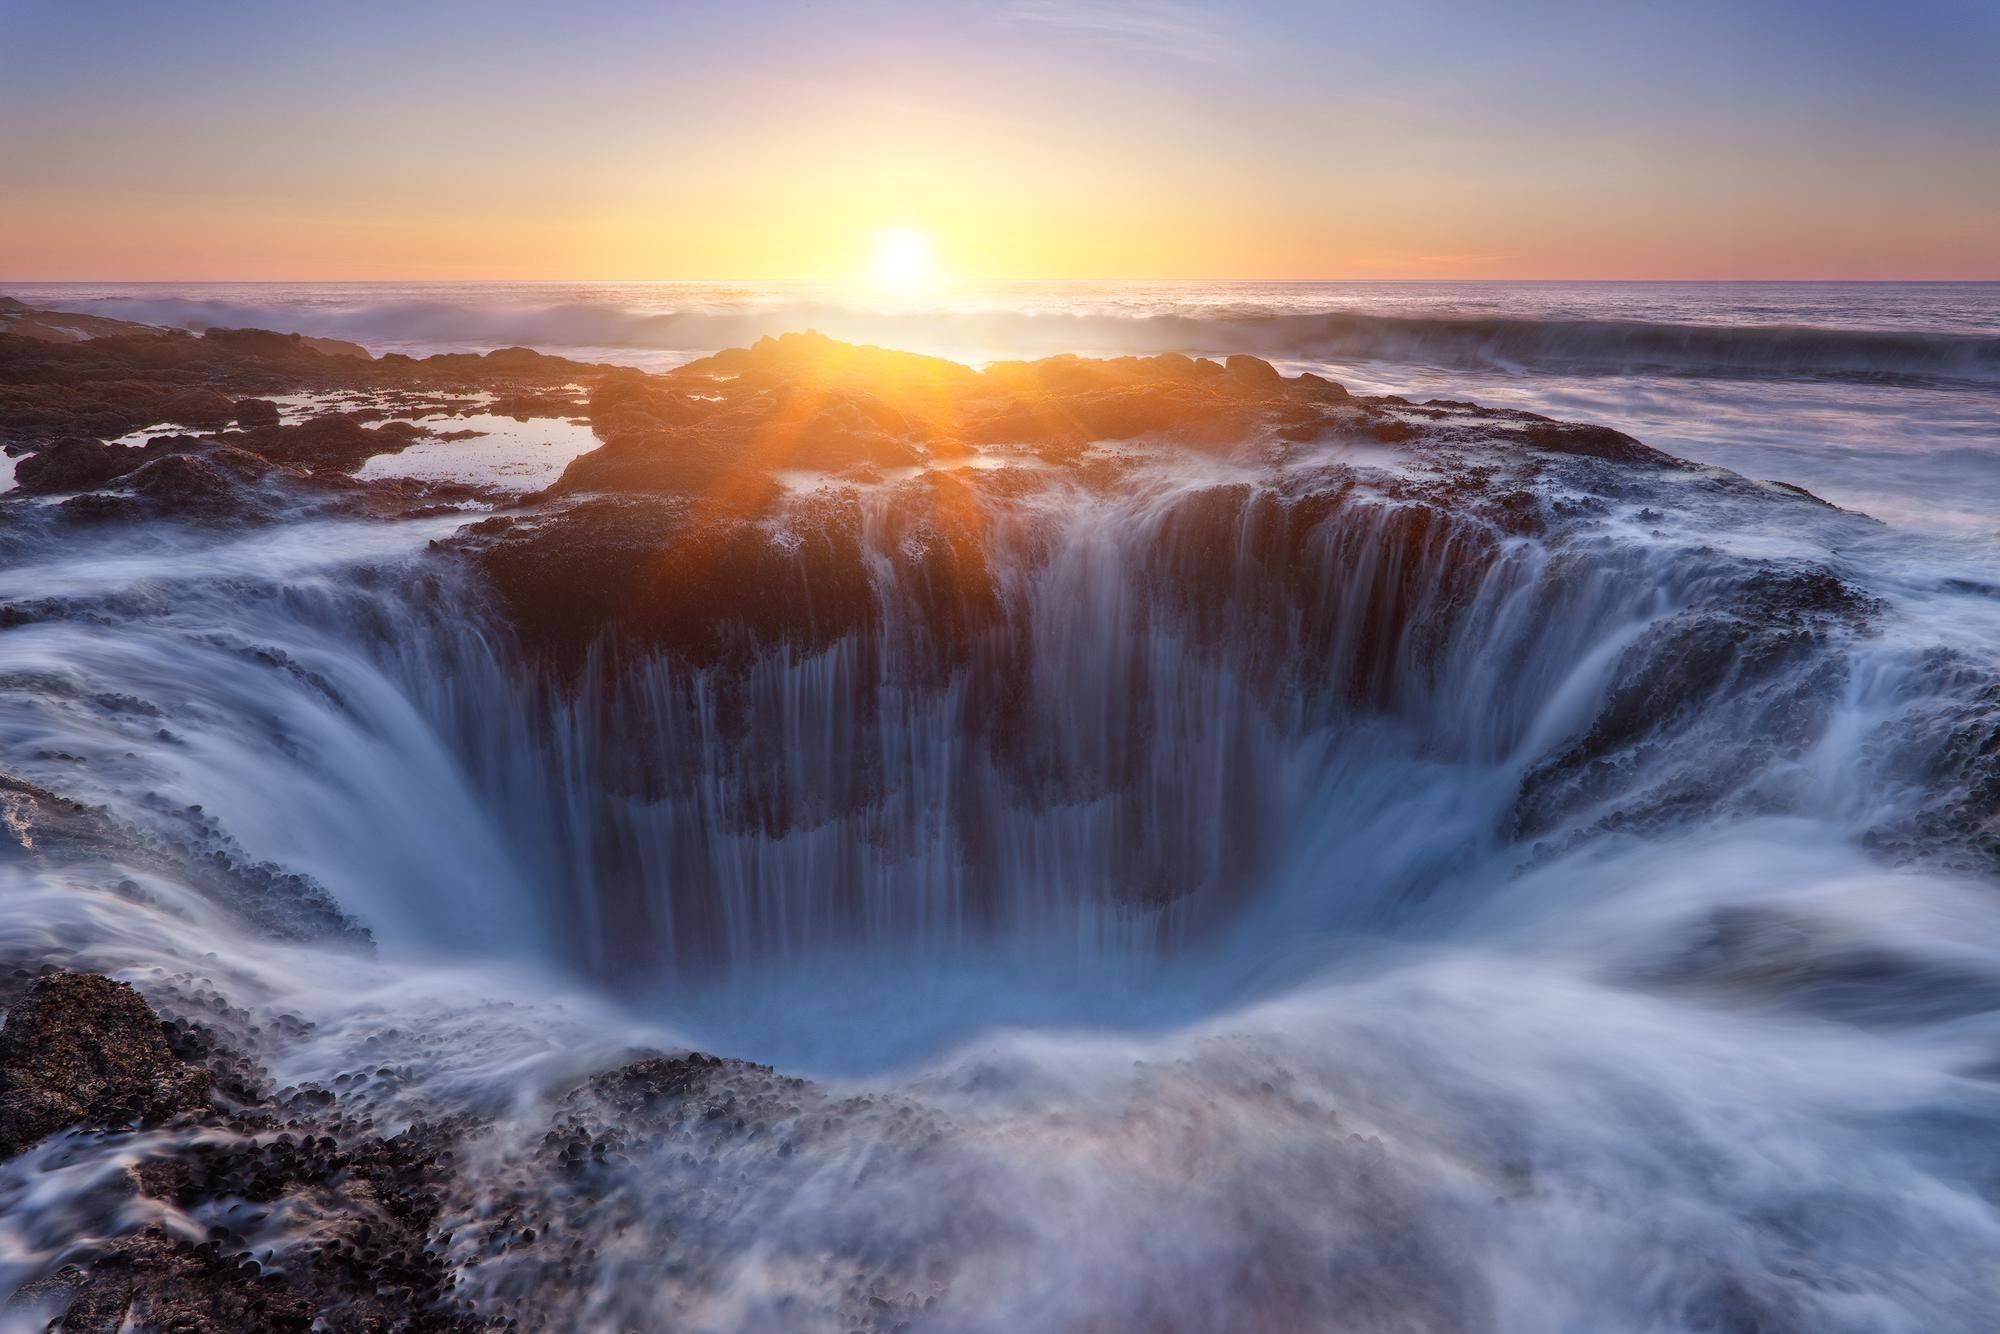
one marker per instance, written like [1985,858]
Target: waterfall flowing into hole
[1104,768]
[1203,723]
[1600,886]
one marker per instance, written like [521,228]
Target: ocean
[1461,887]
[1883,397]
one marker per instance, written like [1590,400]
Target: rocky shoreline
[803,500]
[84,1058]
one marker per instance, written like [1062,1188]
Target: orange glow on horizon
[795,179]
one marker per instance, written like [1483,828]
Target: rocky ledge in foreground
[79,1049]
[219,1154]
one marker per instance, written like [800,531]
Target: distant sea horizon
[1882,396]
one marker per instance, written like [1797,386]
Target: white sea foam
[1388,1065]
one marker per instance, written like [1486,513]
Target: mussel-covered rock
[82,1050]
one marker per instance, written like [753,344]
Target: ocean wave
[1571,346]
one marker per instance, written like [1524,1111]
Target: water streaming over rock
[1343,890]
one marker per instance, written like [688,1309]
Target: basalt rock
[1255,372]
[1597,442]
[77,463]
[1753,647]
[730,422]
[202,484]
[802,495]
[371,1251]
[334,442]
[57,326]
[521,407]
[705,584]
[199,407]
[264,342]
[758,497]
[675,1114]
[209,483]
[254,412]
[156,1280]
[83,1050]
[126,378]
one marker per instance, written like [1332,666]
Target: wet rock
[109,384]
[198,407]
[36,820]
[721,515]
[90,1049]
[1596,442]
[646,1085]
[75,464]
[524,359]
[522,407]
[204,484]
[703,583]
[156,1280]
[263,342]
[1945,745]
[638,1148]
[1254,372]
[82,1050]
[57,326]
[338,347]
[254,412]
[335,442]
[374,1262]
[1743,677]
[185,843]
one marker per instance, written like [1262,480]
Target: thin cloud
[1182,32]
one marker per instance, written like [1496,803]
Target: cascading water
[1289,896]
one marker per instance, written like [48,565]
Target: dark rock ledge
[84,1056]
[79,1049]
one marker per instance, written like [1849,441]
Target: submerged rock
[1754,650]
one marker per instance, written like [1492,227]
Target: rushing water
[1214,975]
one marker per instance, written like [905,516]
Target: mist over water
[1252,961]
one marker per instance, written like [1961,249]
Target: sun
[902,262]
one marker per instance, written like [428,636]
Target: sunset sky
[1023,139]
